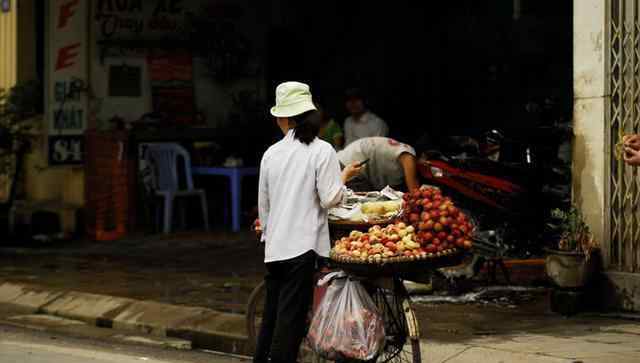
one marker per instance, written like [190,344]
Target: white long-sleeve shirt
[368,125]
[298,184]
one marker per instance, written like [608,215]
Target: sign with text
[66,149]
[130,19]
[67,69]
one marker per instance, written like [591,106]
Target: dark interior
[443,68]
[433,69]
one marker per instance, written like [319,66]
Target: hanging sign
[67,86]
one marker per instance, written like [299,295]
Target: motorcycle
[503,186]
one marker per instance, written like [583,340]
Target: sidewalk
[216,271]
[526,334]
[195,288]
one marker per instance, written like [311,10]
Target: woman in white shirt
[300,179]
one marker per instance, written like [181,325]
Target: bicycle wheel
[255,306]
[402,342]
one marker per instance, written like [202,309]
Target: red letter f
[66,12]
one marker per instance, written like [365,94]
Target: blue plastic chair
[163,159]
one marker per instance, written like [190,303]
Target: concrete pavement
[13,351]
[27,346]
[536,338]
[204,328]
[599,347]
[212,270]
[192,290]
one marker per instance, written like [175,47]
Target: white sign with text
[67,70]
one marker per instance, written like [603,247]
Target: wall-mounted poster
[172,86]
[67,72]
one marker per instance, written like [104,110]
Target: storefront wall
[56,189]
[590,102]
[8,67]
[606,57]
[60,188]
[8,47]
[135,30]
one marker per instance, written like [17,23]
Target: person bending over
[388,162]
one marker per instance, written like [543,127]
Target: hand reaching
[631,156]
[632,141]
[351,171]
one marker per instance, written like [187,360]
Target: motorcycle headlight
[437,172]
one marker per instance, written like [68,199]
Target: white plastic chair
[163,161]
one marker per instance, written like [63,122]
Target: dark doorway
[441,68]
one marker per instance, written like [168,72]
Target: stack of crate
[110,185]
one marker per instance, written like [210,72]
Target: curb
[204,328]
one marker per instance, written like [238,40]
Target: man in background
[361,123]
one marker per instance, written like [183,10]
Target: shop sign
[148,19]
[67,86]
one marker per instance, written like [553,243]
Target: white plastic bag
[347,324]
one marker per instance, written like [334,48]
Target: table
[235,176]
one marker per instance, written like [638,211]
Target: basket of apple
[437,220]
[432,228]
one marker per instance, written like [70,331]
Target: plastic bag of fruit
[347,324]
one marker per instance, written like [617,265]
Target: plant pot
[569,269]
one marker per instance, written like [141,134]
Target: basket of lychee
[431,227]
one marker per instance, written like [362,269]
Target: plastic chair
[163,160]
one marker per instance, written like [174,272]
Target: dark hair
[307,126]
[354,93]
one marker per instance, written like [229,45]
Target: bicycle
[402,342]
[385,285]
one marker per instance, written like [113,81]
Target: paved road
[16,351]
[25,346]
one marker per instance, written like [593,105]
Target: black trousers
[289,295]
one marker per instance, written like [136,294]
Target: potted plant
[570,262]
